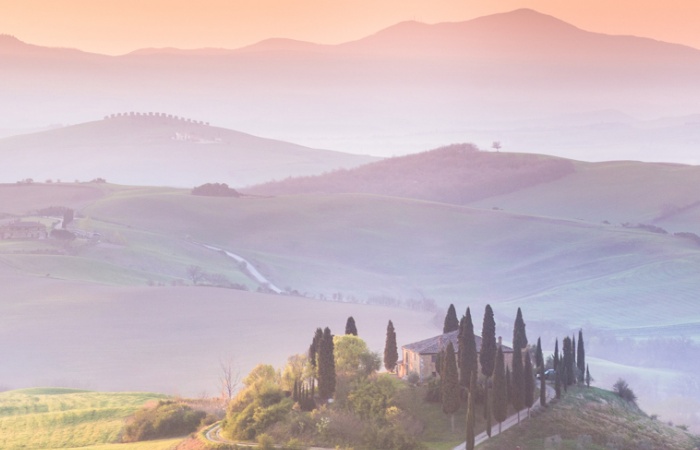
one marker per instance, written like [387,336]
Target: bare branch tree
[229,378]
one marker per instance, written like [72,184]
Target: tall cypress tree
[487,408]
[573,355]
[350,327]
[450,385]
[519,334]
[471,416]
[529,379]
[539,358]
[487,357]
[581,357]
[517,397]
[451,321]
[567,364]
[326,366]
[555,360]
[391,353]
[588,377]
[509,385]
[557,383]
[313,348]
[468,361]
[500,397]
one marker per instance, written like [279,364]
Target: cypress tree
[451,321]
[450,384]
[468,363]
[391,353]
[487,357]
[588,377]
[529,379]
[326,366]
[500,396]
[517,397]
[581,357]
[573,356]
[555,360]
[313,348]
[471,416]
[509,386]
[539,358]
[350,327]
[557,383]
[568,364]
[487,408]
[519,335]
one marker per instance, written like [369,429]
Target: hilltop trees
[313,348]
[581,357]
[487,357]
[350,327]
[391,354]
[451,321]
[450,384]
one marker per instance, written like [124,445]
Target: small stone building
[420,357]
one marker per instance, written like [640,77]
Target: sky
[121,26]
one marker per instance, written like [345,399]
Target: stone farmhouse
[420,357]
[23,230]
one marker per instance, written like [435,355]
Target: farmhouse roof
[435,344]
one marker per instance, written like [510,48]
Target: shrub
[622,389]
[167,419]
[215,190]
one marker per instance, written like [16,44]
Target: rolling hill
[161,150]
[403,89]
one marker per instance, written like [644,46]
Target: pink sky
[120,26]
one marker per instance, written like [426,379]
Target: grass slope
[597,419]
[65,418]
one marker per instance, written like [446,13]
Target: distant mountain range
[161,150]
[412,86]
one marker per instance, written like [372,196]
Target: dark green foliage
[468,356]
[557,382]
[622,389]
[580,357]
[529,379]
[539,356]
[517,397]
[500,395]
[471,417]
[543,387]
[451,321]
[588,377]
[568,365]
[450,382]
[487,409]
[509,385]
[313,348]
[350,327]
[391,353]
[433,392]
[167,419]
[556,355]
[215,190]
[573,356]
[487,357]
[370,397]
[326,366]
[519,334]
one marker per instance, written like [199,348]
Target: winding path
[249,269]
[213,434]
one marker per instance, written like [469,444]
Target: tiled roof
[435,344]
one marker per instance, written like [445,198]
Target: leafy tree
[450,385]
[519,335]
[350,327]
[451,321]
[391,354]
[487,357]
[468,360]
[500,396]
[326,366]
[471,417]
[215,190]
[581,357]
[353,357]
[517,397]
[622,389]
[529,379]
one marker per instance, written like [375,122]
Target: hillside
[592,418]
[405,88]
[161,150]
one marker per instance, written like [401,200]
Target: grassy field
[596,418]
[63,418]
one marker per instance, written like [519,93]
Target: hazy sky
[119,26]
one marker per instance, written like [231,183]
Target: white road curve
[249,268]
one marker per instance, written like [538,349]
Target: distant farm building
[23,230]
[420,357]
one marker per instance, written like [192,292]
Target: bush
[622,389]
[167,419]
[215,190]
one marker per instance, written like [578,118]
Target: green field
[63,418]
